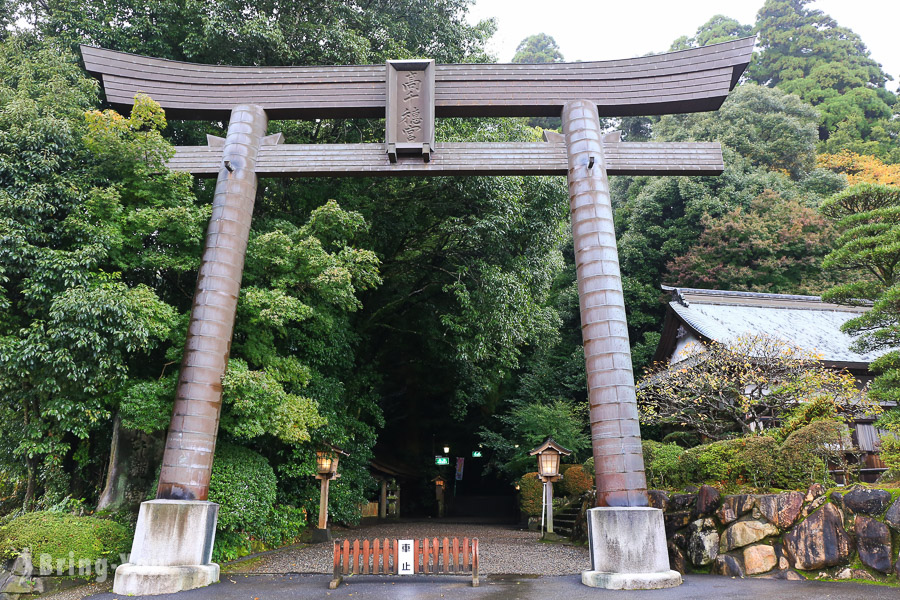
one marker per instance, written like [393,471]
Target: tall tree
[868,219]
[270,32]
[794,40]
[806,52]
[659,219]
[75,321]
[718,29]
[775,246]
[537,49]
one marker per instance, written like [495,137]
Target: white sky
[606,30]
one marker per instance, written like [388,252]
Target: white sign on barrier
[405,564]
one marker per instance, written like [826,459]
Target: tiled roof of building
[805,321]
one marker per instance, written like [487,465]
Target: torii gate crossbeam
[686,81]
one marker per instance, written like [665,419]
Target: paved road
[569,587]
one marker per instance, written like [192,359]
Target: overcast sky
[605,29]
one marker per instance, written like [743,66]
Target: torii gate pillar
[627,538]
[173,540]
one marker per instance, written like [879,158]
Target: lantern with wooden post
[326,470]
[440,484]
[548,456]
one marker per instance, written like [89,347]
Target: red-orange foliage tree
[776,245]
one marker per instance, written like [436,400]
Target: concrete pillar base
[628,549]
[136,580]
[631,581]
[172,549]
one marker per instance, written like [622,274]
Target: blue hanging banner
[460,463]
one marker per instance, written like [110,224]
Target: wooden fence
[430,557]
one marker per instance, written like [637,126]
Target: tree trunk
[31,465]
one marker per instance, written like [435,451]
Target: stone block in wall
[728,565]
[677,561]
[780,509]
[744,533]
[819,541]
[814,491]
[787,575]
[658,499]
[759,559]
[680,502]
[707,501]
[703,543]
[18,585]
[734,507]
[873,542]
[865,501]
[837,499]
[676,520]
[892,517]
[812,506]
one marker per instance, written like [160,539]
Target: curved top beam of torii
[692,80]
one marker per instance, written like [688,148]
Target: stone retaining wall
[18,579]
[847,534]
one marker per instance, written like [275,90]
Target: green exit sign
[476,453]
[442,460]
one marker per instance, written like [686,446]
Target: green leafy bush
[576,481]
[890,454]
[748,460]
[243,484]
[820,408]
[662,464]
[531,494]
[59,534]
[804,455]
[283,526]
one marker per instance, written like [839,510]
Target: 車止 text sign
[405,563]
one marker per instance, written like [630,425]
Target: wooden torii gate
[410,94]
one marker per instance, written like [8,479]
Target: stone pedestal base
[320,536]
[628,549]
[134,580]
[172,549]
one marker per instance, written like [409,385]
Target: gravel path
[503,549]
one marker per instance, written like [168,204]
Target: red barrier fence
[430,557]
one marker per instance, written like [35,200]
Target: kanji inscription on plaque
[410,108]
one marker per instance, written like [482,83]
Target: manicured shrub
[243,484]
[804,455]
[663,465]
[890,454]
[59,534]
[576,481]
[531,495]
[748,460]
[820,408]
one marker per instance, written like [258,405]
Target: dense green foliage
[243,485]
[867,216]
[753,461]
[536,49]
[58,535]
